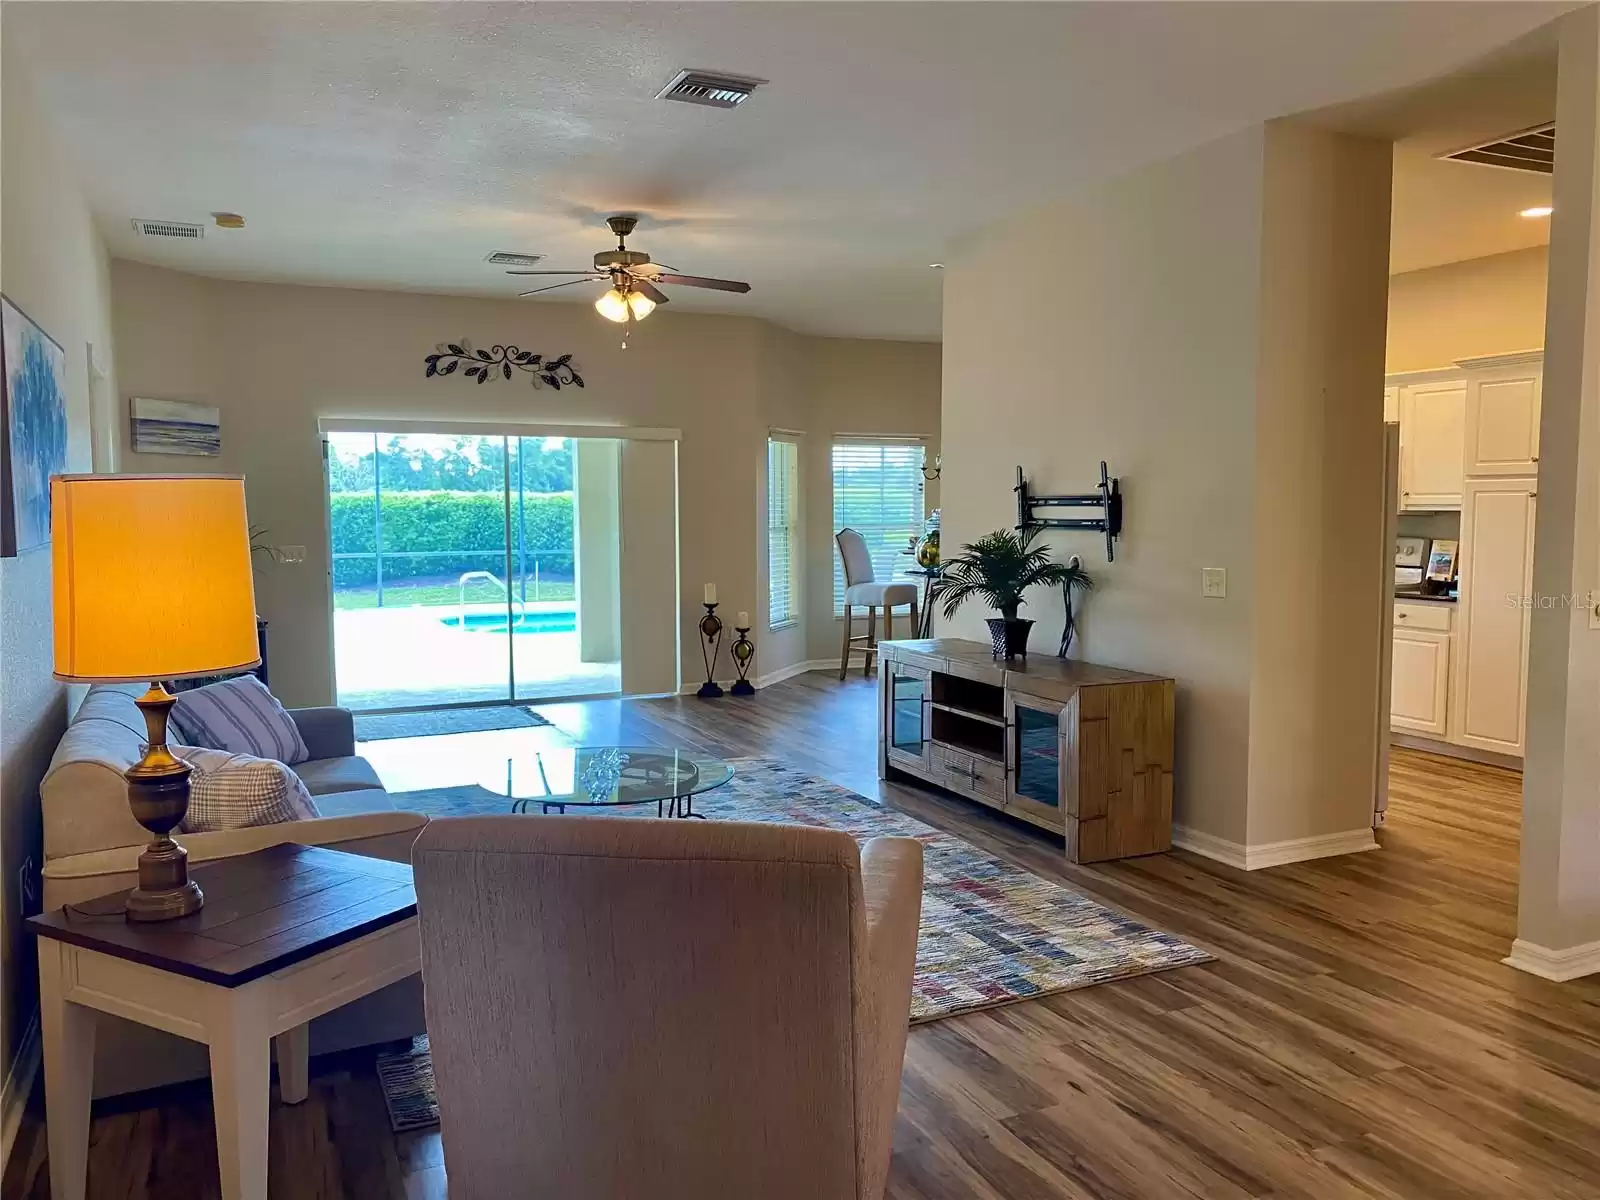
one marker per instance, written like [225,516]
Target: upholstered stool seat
[862,590]
[880,595]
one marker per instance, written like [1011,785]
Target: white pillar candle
[744,621]
[711,593]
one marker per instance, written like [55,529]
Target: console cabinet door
[1503,421]
[1432,429]
[1033,760]
[1496,594]
[907,691]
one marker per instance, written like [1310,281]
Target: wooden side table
[286,934]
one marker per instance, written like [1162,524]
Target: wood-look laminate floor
[1357,1036]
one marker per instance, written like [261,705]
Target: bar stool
[861,590]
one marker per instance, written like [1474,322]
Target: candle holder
[744,653]
[710,649]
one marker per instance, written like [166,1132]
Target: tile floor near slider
[1357,1036]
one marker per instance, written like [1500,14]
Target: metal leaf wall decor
[501,362]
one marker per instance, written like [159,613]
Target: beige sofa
[92,845]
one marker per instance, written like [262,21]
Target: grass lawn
[410,592]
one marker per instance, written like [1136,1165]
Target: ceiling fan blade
[552,287]
[700,281]
[645,288]
[589,272]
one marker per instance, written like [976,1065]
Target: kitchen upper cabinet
[1502,430]
[1496,563]
[1432,432]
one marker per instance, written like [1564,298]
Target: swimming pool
[561,621]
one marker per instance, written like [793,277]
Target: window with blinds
[783,533]
[877,491]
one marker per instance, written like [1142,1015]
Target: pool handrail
[516,605]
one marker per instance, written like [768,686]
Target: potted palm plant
[999,567]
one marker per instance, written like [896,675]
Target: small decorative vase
[1009,638]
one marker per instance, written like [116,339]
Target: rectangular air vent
[513,258]
[1531,150]
[173,229]
[711,88]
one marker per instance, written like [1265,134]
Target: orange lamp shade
[152,577]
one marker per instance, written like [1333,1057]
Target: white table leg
[68,1034]
[241,1074]
[294,1065]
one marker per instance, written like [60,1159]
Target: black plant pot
[1009,638]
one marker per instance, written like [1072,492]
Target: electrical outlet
[1214,582]
[292,554]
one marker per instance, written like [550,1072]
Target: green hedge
[470,525]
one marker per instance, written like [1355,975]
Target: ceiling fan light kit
[634,293]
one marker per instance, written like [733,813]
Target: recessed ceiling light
[1538,210]
[228,220]
[937,266]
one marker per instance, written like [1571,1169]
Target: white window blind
[877,491]
[783,533]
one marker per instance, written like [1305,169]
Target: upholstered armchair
[672,1009]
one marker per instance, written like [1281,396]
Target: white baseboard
[1559,965]
[1272,854]
[799,668]
[18,1086]
[1208,846]
[689,688]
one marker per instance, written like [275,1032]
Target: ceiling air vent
[513,258]
[710,88]
[172,229]
[1531,150]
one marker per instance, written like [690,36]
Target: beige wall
[1491,305]
[53,265]
[1558,912]
[275,358]
[857,387]
[1319,484]
[1152,352]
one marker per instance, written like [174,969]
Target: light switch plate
[1214,582]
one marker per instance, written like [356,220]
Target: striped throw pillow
[241,716]
[235,791]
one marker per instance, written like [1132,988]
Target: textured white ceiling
[395,145]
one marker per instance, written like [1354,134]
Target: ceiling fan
[633,277]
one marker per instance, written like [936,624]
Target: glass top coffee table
[565,777]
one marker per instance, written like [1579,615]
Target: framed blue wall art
[34,420]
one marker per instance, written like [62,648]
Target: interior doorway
[472,568]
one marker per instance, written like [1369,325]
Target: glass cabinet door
[908,712]
[1036,762]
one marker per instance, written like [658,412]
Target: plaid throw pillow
[233,791]
[239,715]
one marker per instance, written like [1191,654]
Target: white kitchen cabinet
[1496,565]
[1502,427]
[1420,682]
[1432,432]
[1391,404]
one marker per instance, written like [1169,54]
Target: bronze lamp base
[158,794]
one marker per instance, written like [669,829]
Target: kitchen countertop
[1417,598]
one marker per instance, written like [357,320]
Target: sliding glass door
[454,571]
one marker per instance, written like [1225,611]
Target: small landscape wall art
[35,427]
[175,427]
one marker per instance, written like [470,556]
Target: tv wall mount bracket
[1107,498]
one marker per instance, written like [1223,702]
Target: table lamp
[152,582]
